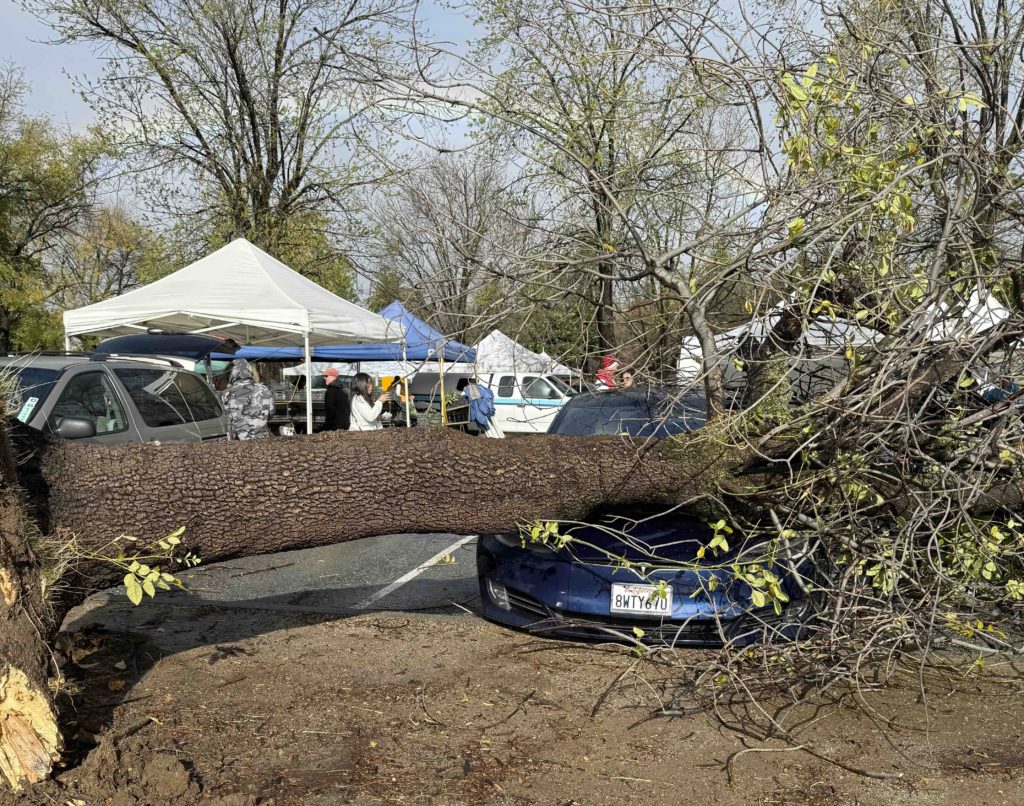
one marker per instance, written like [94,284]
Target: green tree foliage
[46,176]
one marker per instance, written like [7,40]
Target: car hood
[639,537]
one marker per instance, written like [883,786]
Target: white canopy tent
[554,367]
[238,292]
[496,352]
[824,339]
[955,322]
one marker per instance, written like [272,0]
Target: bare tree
[244,118]
[443,230]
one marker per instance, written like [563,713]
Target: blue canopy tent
[422,343]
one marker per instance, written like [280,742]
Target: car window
[540,389]
[654,416]
[91,396]
[505,386]
[561,385]
[33,387]
[169,397]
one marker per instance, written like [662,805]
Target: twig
[234,680]
[515,711]
[261,570]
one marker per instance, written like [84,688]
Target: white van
[525,402]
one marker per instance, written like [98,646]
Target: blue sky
[46,66]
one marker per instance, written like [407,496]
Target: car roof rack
[68,353]
[138,358]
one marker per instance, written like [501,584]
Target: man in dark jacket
[337,406]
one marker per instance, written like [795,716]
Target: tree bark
[30,740]
[256,497]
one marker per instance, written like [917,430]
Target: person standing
[366,412]
[247,403]
[337,408]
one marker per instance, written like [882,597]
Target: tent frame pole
[403,386]
[444,405]
[309,382]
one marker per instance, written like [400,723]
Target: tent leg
[309,383]
[405,386]
[444,407]
[67,343]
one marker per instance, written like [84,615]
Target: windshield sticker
[27,409]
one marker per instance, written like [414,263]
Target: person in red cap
[606,375]
[337,406]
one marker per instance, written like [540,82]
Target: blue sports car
[654,576]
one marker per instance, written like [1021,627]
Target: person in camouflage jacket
[247,403]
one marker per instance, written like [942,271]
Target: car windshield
[560,385]
[34,385]
[169,397]
[638,416]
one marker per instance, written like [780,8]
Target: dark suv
[112,400]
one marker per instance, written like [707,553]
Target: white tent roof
[951,322]
[555,367]
[241,292]
[821,333]
[496,351]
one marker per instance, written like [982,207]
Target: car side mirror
[76,428]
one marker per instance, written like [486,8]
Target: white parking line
[415,572]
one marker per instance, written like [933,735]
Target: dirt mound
[414,709]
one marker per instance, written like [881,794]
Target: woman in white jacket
[366,413]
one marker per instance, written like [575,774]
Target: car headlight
[498,594]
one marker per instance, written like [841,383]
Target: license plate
[640,600]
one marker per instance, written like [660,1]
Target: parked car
[584,591]
[112,400]
[526,402]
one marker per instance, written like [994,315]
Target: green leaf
[795,228]
[147,586]
[132,588]
[797,92]
[971,99]
[757,597]
[638,632]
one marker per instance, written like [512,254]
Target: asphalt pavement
[433,573]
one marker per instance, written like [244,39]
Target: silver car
[112,400]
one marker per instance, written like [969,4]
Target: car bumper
[562,600]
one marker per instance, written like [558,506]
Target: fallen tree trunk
[245,498]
